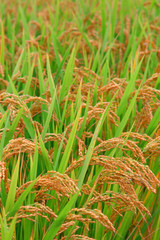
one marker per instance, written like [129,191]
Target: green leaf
[16,69]
[33,169]
[2,47]
[2,228]
[49,116]
[59,151]
[85,116]
[3,193]
[55,226]
[3,137]
[103,16]
[126,116]
[113,19]
[62,62]
[3,119]
[29,79]
[24,21]
[154,122]
[70,142]
[67,80]
[11,87]
[91,146]
[52,88]
[29,126]
[2,110]
[129,89]
[126,223]
[157,232]
[12,189]
[44,153]
[21,199]
[54,40]
[9,235]
[40,77]
[12,129]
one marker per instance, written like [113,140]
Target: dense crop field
[79,119]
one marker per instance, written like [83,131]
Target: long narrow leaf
[67,80]
[49,116]
[12,189]
[68,148]
[3,137]
[44,154]
[129,89]
[9,135]
[10,233]
[21,199]
[55,226]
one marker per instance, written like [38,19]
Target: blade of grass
[49,116]
[129,89]
[33,169]
[113,19]
[103,16]
[55,226]
[126,116]
[12,190]
[126,223]
[29,126]
[70,142]
[2,110]
[59,151]
[3,137]
[154,122]
[157,232]
[2,49]
[54,39]
[3,224]
[62,62]
[41,80]
[28,83]
[24,21]
[12,129]
[21,199]
[2,228]
[91,147]
[3,118]
[11,88]
[53,88]
[9,235]
[17,67]
[3,194]
[85,116]
[57,15]
[67,80]
[44,153]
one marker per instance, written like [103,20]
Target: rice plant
[79,120]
